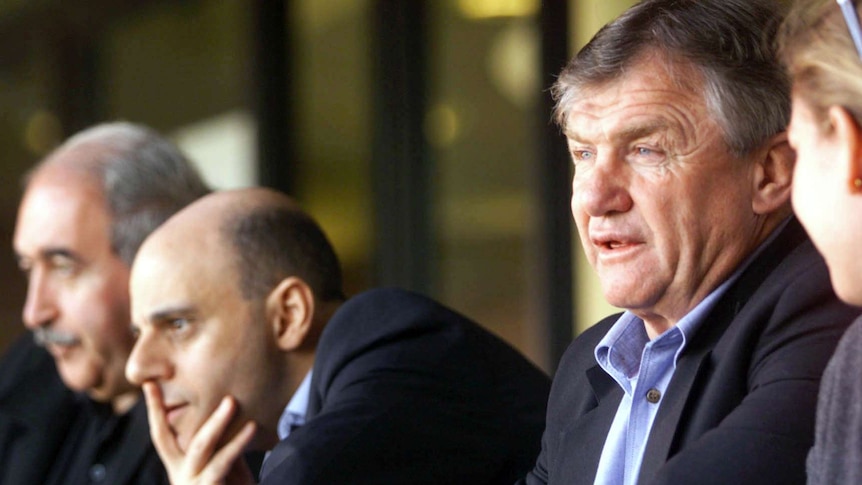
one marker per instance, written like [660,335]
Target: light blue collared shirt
[643,369]
[294,413]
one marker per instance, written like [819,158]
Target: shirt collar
[620,350]
[294,412]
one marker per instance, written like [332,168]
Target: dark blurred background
[418,132]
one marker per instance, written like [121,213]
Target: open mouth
[611,244]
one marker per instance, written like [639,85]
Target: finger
[228,459]
[204,442]
[163,438]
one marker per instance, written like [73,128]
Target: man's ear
[773,175]
[849,154]
[290,312]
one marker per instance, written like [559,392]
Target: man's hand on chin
[203,463]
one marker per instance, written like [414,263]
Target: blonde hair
[822,61]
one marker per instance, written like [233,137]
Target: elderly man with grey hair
[68,415]
[675,117]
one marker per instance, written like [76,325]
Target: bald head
[262,237]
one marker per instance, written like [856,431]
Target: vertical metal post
[400,165]
[78,99]
[272,90]
[554,192]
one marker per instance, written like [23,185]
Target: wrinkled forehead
[646,98]
[652,69]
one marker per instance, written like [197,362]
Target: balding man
[246,342]
[75,418]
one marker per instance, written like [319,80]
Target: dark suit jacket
[740,406]
[405,391]
[37,413]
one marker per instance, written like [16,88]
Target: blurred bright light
[223,149]
[442,125]
[482,9]
[513,64]
[42,132]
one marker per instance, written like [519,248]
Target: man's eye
[63,264]
[582,155]
[179,323]
[648,154]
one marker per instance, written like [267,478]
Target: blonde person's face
[821,197]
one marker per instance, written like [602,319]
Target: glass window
[333,97]
[484,89]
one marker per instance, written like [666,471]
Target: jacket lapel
[692,369]
[668,433]
[579,465]
[665,428]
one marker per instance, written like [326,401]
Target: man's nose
[602,188]
[147,361]
[40,307]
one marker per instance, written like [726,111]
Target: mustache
[45,336]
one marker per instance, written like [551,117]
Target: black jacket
[405,391]
[740,406]
[38,414]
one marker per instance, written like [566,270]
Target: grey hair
[729,42]
[144,177]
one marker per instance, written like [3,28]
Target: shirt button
[653,395]
[97,472]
